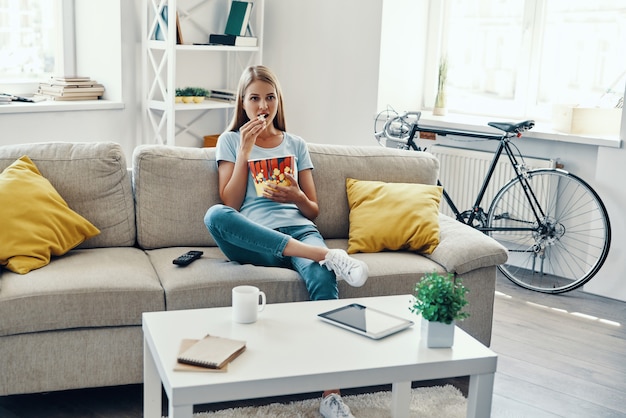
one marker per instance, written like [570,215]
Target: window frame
[67,49]
[524,102]
[65,57]
[86,44]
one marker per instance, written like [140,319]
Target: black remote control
[187,258]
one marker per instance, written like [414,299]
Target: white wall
[326,54]
[402,55]
[610,170]
[97,55]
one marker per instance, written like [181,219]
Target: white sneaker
[353,271]
[332,406]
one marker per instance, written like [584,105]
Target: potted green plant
[199,94]
[439,299]
[186,94]
[440,101]
[179,95]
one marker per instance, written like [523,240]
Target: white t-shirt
[260,209]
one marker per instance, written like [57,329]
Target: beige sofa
[76,322]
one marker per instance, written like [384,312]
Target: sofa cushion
[94,181]
[335,163]
[207,282]
[174,187]
[463,249]
[100,287]
[35,221]
[393,216]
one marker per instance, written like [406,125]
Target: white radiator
[462,172]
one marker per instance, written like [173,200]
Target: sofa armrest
[462,248]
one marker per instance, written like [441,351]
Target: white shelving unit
[208,66]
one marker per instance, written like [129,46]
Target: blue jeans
[247,242]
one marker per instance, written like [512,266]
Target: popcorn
[272,171]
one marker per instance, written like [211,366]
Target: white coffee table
[289,350]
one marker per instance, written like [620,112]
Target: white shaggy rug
[432,402]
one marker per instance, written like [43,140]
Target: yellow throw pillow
[35,221]
[393,216]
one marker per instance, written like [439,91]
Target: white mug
[246,306]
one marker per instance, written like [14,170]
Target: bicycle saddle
[511,127]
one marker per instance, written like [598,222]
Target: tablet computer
[365,321]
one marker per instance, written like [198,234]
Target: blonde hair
[249,75]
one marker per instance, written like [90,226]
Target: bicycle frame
[553,223]
[476,210]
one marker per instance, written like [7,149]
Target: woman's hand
[233,177]
[303,195]
[283,193]
[249,133]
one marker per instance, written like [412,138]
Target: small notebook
[181,367]
[212,352]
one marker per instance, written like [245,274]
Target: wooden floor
[558,356]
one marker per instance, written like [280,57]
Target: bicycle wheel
[558,239]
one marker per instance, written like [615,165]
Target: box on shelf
[210,140]
[586,120]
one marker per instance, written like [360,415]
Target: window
[36,38]
[517,58]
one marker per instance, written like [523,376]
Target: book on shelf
[39,97]
[161,30]
[224,92]
[69,94]
[222,99]
[271,171]
[89,83]
[212,352]
[97,89]
[223,95]
[68,78]
[71,81]
[232,40]
[238,18]
[179,32]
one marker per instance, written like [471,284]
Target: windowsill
[68,106]
[540,131]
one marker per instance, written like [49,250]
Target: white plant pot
[437,334]
[440,111]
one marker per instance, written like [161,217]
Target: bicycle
[554,225]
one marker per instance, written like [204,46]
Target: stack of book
[223,95]
[232,40]
[70,88]
[237,32]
